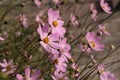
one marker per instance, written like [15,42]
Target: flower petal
[36,75]
[19,77]
[27,72]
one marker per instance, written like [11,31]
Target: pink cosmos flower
[60,64]
[105,75]
[55,22]
[94,11]
[105,6]
[94,41]
[1,38]
[59,76]
[28,75]
[103,30]
[23,20]
[37,2]
[8,67]
[49,42]
[64,49]
[73,20]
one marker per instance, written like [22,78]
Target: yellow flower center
[63,49]
[103,6]
[60,79]
[55,23]
[103,29]
[46,40]
[92,44]
[9,67]
[101,71]
[56,61]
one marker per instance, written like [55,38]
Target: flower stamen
[55,23]
[101,71]
[56,61]
[92,43]
[46,40]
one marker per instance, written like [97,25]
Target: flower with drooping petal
[105,75]
[103,30]
[28,75]
[37,2]
[94,41]
[101,68]
[60,64]
[8,67]
[64,49]
[73,20]
[94,11]
[55,22]
[59,76]
[48,41]
[105,6]
[23,20]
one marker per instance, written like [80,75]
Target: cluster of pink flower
[104,6]
[94,41]
[53,40]
[105,75]
[9,68]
